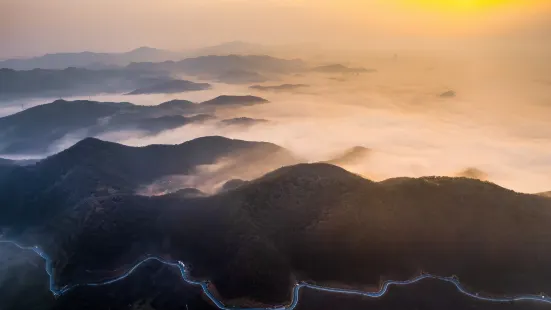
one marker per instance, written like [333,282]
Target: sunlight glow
[468,6]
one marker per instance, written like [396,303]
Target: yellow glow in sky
[441,17]
[32,27]
[472,6]
[461,5]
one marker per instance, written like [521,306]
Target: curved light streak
[296,289]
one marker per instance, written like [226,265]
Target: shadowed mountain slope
[155,77]
[225,100]
[214,66]
[321,223]
[88,59]
[34,130]
[92,168]
[72,82]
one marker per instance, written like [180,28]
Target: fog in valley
[418,113]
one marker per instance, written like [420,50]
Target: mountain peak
[176,103]
[235,100]
[90,142]
[314,171]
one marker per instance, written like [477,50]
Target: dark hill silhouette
[177,103]
[34,130]
[37,129]
[213,66]
[225,100]
[190,193]
[89,59]
[321,223]
[93,167]
[6,165]
[169,87]
[80,81]
[232,184]
[7,162]
[71,82]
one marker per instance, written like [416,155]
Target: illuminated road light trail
[296,289]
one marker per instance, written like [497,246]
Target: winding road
[296,289]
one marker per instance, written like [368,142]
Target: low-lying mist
[495,122]
[210,179]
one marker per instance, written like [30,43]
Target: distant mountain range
[170,87]
[72,82]
[225,100]
[214,66]
[97,60]
[90,59]
[142,77]
[37,129]
[94,168]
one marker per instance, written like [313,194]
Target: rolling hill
[322,224]
[35,130]
[92,168]
[48,83]
[225,100]
[89,59]
[72,81]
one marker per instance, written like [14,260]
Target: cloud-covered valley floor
[496,123]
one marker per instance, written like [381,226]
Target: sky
[35,27]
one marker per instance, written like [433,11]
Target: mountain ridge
[93,168]
[319,222]
[88,59]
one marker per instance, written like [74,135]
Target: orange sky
[30,27]
[443,17]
